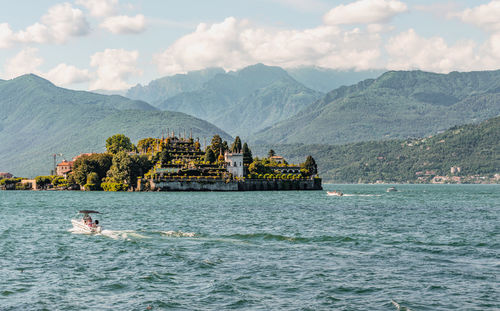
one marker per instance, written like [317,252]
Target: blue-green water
[425,247]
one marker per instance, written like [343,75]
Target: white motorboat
[85,224]
[336,193]
[392,189]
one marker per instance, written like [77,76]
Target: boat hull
[80,226]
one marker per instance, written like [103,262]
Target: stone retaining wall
[246,185]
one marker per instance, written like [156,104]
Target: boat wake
[178,234]
[362,195]
[123,234]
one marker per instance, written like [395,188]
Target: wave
[122,234]
[277,237]
[399,307]
[362,195]
[178,234]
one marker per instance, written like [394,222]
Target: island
[174,163]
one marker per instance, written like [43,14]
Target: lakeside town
[172,163]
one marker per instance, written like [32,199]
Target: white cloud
[26,61]
[304,5]
[99,8]
[6,36]
[64,74]
[234,44]
[364,12]
[61,22]
[114,67]
[408,51]
[125,24]
[486,16]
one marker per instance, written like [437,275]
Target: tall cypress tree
[310,165]
[236,146]
[247,155]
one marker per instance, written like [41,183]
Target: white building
[234,162]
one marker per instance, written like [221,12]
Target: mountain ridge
[38,119]
[398,104]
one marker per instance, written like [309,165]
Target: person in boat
[88,221]
[95,224]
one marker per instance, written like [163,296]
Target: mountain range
[245,101]
[38,119]
[398,104]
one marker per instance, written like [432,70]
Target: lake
[424,247]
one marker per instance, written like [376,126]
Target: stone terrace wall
[247,185]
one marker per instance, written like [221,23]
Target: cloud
[114,67]
[99,8]
[61,22]
[6,36]
[125,24]
[304,5]
[233,44]
[364,12]
[486,16]
[26,61]
[64,74]
[408,51]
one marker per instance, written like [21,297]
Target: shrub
[114,186]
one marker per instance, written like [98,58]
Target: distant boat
[392,189]
[336,193]
[85,224]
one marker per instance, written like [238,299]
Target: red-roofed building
[64,168]
[5,175]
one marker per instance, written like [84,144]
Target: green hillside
[38,119]
[475,148]
[245,101]
[160,89]
[396,105]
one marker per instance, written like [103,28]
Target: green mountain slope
[475,148]
[38,119]
[324,79]
[245,101]
[159,90]
[395,105]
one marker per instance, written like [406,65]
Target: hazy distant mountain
[159,90]
[396,105]
[245,101]
[38,119]
[325,80]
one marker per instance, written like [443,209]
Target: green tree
[271,153]
[310,166]
[117,143]
[259,167]
[164,157]
[236,145]
[247,155]
[121,169]
[147,145]
[216,144]
[83,166]
[209,156]
[43,181]
[93,182]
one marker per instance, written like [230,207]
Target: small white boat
[337,193]
[85,224]
[391,189]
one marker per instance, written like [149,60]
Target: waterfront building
[234,163]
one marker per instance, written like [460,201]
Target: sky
[115,44]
